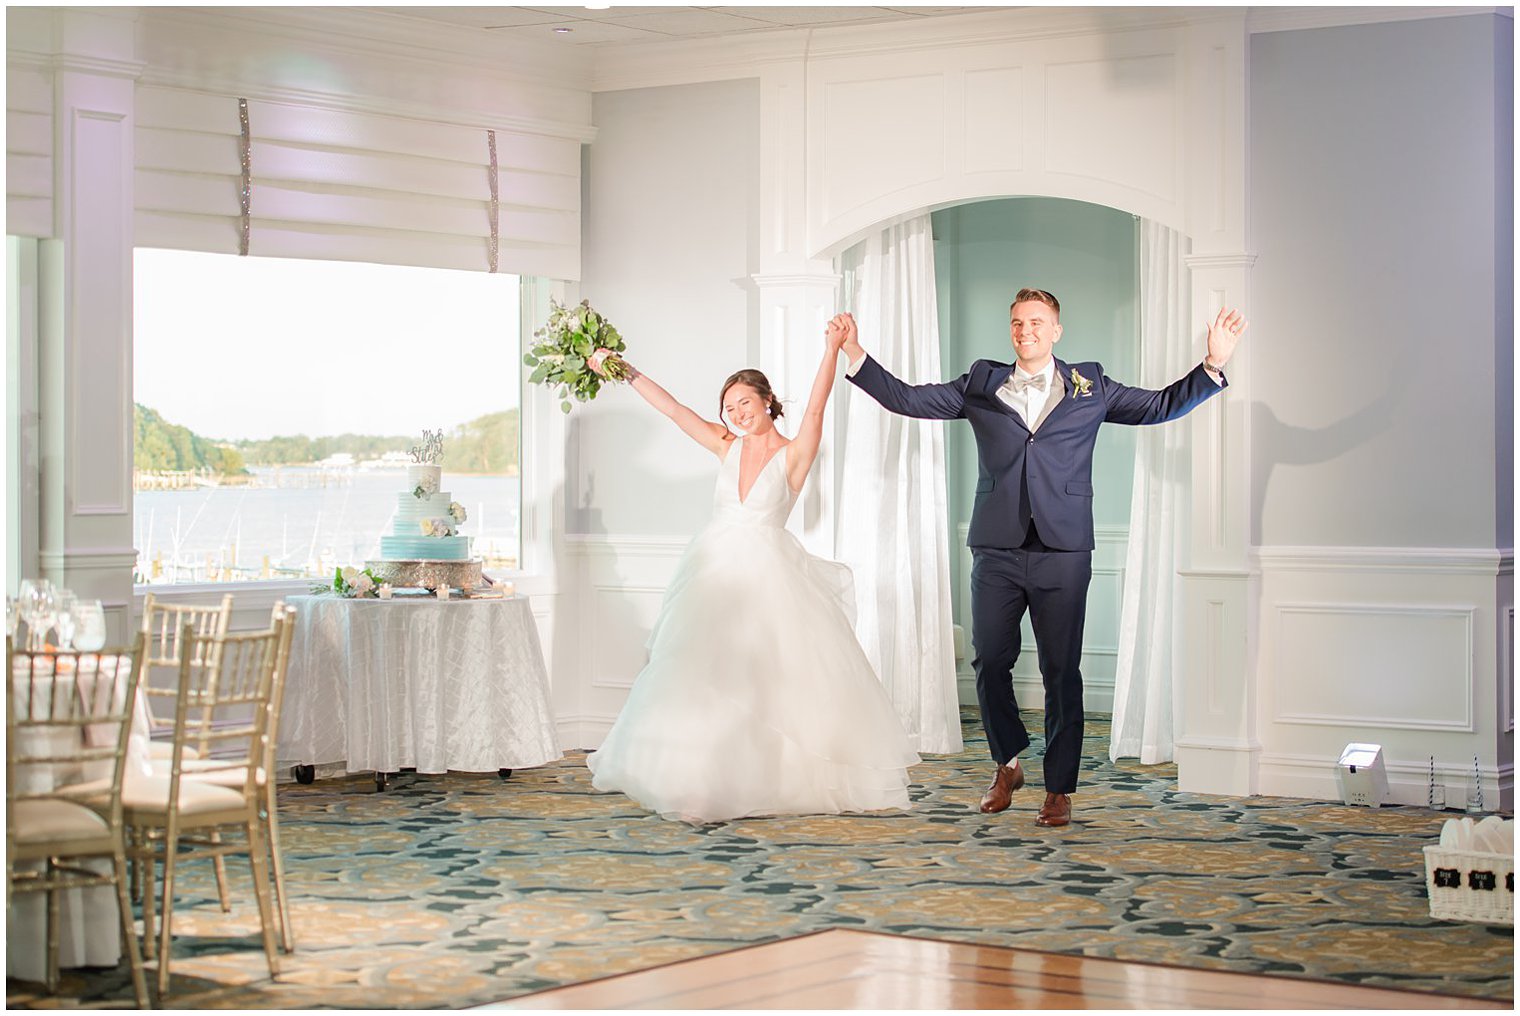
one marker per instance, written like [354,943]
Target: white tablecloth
[416,682]
[89,928]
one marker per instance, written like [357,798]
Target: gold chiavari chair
[212,771]
[224,710]
[163,627]
[68,716]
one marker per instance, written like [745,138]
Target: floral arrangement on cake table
[566,343]
[352,583]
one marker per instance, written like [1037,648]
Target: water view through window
[277,402]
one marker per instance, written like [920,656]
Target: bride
[757,699]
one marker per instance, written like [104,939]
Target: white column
[1217,747]
[797,295]
[85,318]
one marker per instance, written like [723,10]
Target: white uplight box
[1361,775]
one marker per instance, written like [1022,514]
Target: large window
[277,401]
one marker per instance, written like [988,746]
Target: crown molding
[1263,20]
[93,65]
[651,64]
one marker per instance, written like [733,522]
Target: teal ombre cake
[422,502]
[425,548]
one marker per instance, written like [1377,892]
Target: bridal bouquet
[566,344]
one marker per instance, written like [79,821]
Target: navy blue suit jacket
[1055,461]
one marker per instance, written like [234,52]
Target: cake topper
[430,452]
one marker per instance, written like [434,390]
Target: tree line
[486,444]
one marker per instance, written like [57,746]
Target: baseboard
[583,731]
[1313,777]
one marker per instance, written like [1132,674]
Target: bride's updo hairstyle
[757,381]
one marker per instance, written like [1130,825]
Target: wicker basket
[1470,885]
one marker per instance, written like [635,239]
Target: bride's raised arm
[804,447]
[712,436]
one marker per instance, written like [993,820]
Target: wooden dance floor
[841,969]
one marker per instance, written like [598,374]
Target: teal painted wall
[1085,255]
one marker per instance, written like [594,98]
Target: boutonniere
[1080,386]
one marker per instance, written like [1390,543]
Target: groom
[1031,534]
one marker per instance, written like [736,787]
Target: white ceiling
[582,26]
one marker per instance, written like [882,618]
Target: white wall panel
[621,582]
[1115,121]
[995,132]
[1092,116]
[618,627]
[888,131]
[1361,665]
[1396,646]
[100,398]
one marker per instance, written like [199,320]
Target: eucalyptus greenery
[565,345]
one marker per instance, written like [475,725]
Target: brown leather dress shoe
[1000,795]
[1056,811]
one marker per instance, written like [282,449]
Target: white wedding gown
[757,698]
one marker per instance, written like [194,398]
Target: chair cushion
[35,822]
[165,750]
[210,771]
[150,795]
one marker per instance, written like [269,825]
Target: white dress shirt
[1030,402]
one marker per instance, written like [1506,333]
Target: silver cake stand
[425,574]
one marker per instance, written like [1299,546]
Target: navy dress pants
[1052,586]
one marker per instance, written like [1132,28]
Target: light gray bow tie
[1023,383]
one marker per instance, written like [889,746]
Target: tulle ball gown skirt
[757,698]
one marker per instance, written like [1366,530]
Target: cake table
[416,682]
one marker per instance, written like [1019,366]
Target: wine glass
[26,596]
[63,618]
[89,626]
[38,603]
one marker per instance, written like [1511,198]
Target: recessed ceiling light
[563,31]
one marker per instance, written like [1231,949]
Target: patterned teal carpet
[458,890]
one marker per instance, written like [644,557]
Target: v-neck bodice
[769,500]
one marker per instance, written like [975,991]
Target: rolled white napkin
[1493,835]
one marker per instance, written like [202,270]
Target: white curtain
[1146,696]
[892,525]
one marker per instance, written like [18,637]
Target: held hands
[843,335]
[834,334]
[1224,335]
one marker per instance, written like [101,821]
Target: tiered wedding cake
[424,548]
[426,521]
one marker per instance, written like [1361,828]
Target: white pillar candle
[385,590]
[443,592]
